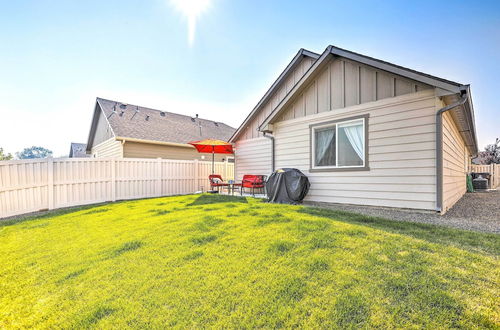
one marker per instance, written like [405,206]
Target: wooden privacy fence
[33,185]
[493,169]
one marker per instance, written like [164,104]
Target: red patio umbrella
[214,147]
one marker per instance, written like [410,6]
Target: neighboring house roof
[448,87]
[289,68]
[77,150]
[149,125]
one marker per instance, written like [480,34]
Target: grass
[220,261]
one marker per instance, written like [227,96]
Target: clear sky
[56,57]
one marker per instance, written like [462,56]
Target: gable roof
[449,87]
[77,150]
[289,68]
[331,51]
[141,123]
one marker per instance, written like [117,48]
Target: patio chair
[253,182]
[216,182]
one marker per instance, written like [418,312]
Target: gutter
[123,139]
[270,137]
[439,147]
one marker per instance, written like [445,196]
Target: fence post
[196,175]
[497,174]
[225,169]
[493,180]
[50,182]
[158,176]
[113,180]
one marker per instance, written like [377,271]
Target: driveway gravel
[479,211]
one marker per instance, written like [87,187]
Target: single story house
[124,130]
[78,150]
[364,131]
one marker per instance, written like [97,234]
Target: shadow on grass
[129,246]
[97,211]
[93,318]
[464,239]
[72,275]
[48,214]
[158,212]
[203,239]
[215,198]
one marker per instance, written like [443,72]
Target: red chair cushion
[216,181]
[253,181]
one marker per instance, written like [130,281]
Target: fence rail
[33,185]
[492,169]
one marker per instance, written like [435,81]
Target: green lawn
[217,261]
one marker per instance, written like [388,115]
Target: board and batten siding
[150,150]
[108,148]
[344,83]
[455,162]
[401,149]
[253,151]
[253,156]
[103,130]
[251,129]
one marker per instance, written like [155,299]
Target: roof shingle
[132,121]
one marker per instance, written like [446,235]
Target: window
[339,145]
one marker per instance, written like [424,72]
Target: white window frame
[341,123]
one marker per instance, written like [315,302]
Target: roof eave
[398,70]
[381,65]
[464,118]
[93,125]
[469,110]
[306,77]
[301,53]
[173,144]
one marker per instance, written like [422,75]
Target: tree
[4,156]
[491,154]
[34,152]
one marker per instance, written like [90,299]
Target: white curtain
[355,136]
[323,140]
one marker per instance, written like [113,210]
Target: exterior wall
[344,83]
[253,157]
[148,150]
[103,130]
[455,162]
[289,82]
[401,152]
[108,148]
[253,151]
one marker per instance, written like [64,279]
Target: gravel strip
[478,211]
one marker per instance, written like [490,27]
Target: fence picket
[32,185]
[493,169]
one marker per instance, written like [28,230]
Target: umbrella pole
[213,160]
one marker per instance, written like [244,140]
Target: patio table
[231,185]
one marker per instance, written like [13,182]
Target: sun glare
[191,9]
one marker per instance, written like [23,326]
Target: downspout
[439,148]
[270,137]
